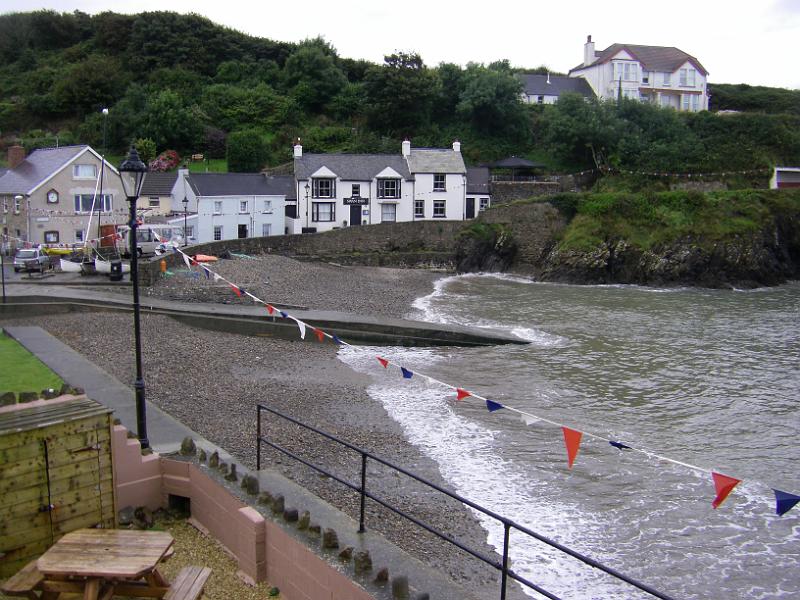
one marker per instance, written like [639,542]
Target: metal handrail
[508,524]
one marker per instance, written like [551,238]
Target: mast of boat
[102,172]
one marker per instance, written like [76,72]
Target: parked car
[32,259]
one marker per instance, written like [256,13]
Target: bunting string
[723,484]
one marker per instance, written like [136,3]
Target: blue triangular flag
[208,274]
[493,406]
[175,249]
[406,373]
[336,340]
[619,445]
[784,502]
[284,315]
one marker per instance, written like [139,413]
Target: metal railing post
[363,492]
[504,579]
[258,439]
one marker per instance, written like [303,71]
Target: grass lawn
[211,165]
[22,371]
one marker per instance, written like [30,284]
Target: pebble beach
[212,381]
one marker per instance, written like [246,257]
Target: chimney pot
[298,149]
[456,146]
[16,154]
[406,148]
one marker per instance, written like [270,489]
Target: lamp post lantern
[132,171]
[307,188]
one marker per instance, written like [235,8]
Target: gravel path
[211,381]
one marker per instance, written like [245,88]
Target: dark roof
[37,167]
[514,162]
[350,167]
[478,180]
[159,184]
[240,184]
[555,85]
[653,58]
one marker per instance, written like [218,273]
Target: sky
[737,41]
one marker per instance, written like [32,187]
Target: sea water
[709,378]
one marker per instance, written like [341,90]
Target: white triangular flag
[186,260]
[217,277]
[302,327]
[529,420]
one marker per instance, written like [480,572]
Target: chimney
[548,78]
[406,148]
[588,52]
[298,149]
[456,146]
[16,154]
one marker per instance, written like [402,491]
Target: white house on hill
[665,76]
[346,190]
[546,89]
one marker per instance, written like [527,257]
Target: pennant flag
[406,373]
[186,260]
[319,333]
[619,445]
[572,439]
[217,277]
[528,420]
[461,394]
[337,341]
[236,290]
[302,327]
[493,406]
[284,315]
[724,485]
[383,362]
[207,272]
[784,502]
[270,308]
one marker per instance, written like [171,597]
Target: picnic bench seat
[24,582]
[188,584]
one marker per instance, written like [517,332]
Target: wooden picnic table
[101,563]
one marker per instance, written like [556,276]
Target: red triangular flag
[724,486]
[461,394]
[384,362]
[236,291]
[319,333]
[270,308]
[572,439]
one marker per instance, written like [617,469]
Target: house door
[242,231]
[355,215]
[470,213]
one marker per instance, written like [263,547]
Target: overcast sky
[738,41]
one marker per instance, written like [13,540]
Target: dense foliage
[190,85]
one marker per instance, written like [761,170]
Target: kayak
[201,258]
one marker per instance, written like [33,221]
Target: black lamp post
[132,172]
[185,229]
[307,187]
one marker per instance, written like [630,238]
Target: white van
[151,237]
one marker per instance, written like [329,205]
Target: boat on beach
[104,266]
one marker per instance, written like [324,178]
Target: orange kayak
[203,258]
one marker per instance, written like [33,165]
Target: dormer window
[388,188]
[687,77]
[84,171]
[323,188]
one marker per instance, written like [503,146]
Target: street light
[132,172]
[308,187]
[185,235]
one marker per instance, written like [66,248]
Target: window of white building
[243,206]
[419,209]
[266,229]
[627,71]
[323,212]
[388,188]
[439,182]
[218,207]
[687,77]
[388,212]
[154,202]
[667,81]
[484,204]
[217,232]
[439,209]
[267,207]
[323,188]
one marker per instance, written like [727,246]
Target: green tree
[312,76]
[247,151]
[169,123]
[490,100]
[90,85]
[146,149]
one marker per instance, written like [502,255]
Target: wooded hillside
[188,84]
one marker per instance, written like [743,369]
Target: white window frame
[243,207]
[82,203]
[328,210]
[17,205]
[154,202]
[439,209]
[667,80]
[483,204]
[323,187]
[388,212]
[382,185]
[439,182]
[77,171]
[355,191]
[52,233]
[419,209]
[266,229]
[646,76]
[217,233]
[79,235]
[5,205]
[189,232]
[267,208]
[217,207]
[688,77]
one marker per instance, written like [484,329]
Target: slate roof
[40,165]
[159,184]
[478,180]
[241,184]
[437,160]
[537,85]
[653,58]
[350,167]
